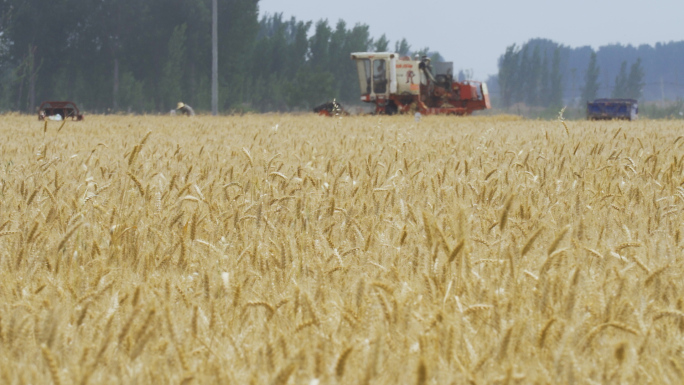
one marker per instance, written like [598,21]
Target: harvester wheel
[391,108]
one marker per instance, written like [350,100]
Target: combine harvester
[401,85]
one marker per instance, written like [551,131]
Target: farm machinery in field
[330,109]
[59,110]
[401,85]
[607,109]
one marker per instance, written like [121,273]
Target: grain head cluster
[364,250]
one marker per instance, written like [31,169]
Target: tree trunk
[21,92]
[33,72]
[214,58]
[32,93]
[115,93]
[193,84]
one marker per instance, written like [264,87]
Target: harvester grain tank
[401,85]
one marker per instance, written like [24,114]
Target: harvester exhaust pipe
[425,67]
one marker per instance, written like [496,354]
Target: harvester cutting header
[401,85]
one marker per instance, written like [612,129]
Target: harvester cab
[377,75]
[401,85]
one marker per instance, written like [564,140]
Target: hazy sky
[474,36]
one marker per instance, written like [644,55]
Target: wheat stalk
[52,364]
[284,263]
[342,361]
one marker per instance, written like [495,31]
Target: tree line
[145,56]
[531,78]
[544,73]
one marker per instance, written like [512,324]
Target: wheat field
[280,249]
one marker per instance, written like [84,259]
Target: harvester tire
[391,108]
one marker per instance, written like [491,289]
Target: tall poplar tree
[508,69]
[620,89]
[556,79]
[382,44]
[591,84]
[635,81]
[532,86]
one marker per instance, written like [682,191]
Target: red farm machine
[402,85]
[58,110]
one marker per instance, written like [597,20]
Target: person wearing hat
[185,109]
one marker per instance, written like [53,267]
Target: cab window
[379,76]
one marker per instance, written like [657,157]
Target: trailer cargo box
[607,109]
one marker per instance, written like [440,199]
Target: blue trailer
[608,109]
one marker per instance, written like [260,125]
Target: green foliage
[6,81]
[291,71]
[635,80]
[555,82]
[145,56]
[132,94]
[61,86]
[434,56]
[534,78]
[173,69]
[591,84]
[527,78]
[310,88]
[402,47]
[672,110]
[648,73]
[629,85]
[620,89]
[382,45]
[319,53]
[545,87]
[508,75]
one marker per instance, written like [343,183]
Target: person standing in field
[185,109]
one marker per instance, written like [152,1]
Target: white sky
[474,34]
